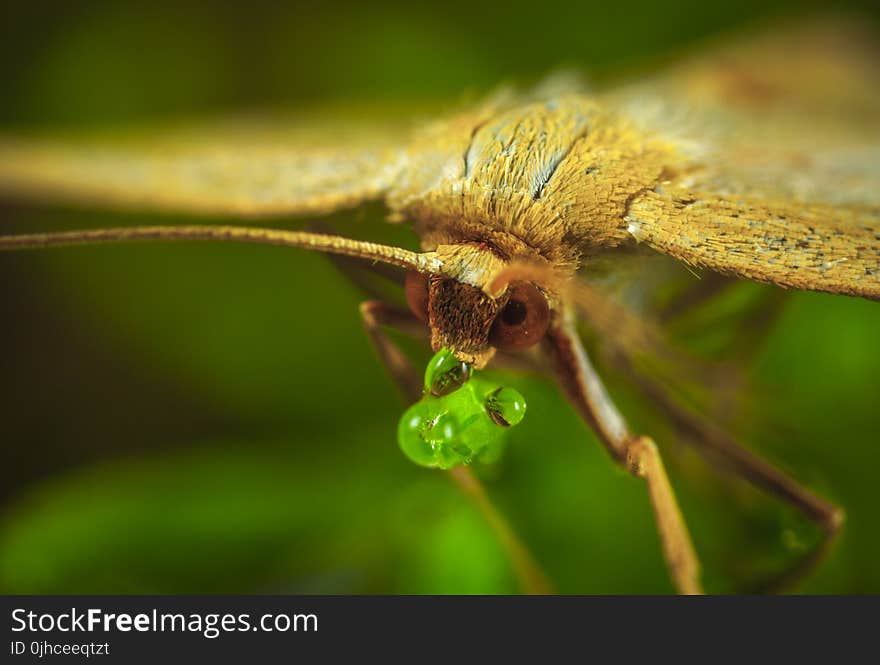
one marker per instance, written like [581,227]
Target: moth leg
[694,295]
[638,454]
[749,340]
[756,325]
[376,315]
[751,328]
[721,448]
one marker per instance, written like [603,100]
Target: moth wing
[306,164]
[779,179]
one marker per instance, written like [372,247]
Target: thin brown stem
[376,315]
[528,572]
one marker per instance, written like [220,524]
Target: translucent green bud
[430,437]
[460,418]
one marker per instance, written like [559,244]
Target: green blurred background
[205,418]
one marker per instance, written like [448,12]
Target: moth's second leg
[721,448]
[376,314]
[638,454]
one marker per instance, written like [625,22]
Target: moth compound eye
[416,288]
[523,321]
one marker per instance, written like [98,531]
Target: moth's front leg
[377,314]
[638,454]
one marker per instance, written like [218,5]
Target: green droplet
[445,373]
[441,429]
[410,438]
[429,437]
[506,406]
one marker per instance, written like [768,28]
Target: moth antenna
[422,262]
[522,271]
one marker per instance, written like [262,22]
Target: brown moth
[761,161]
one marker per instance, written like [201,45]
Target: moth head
[479,304]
